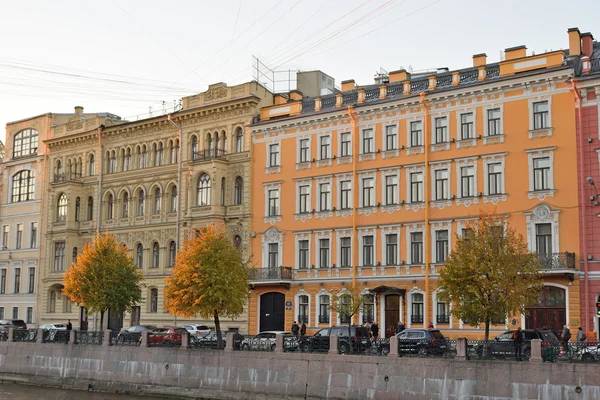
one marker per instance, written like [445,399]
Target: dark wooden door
[272,312]
[551,318]
[83,319]
[392,314]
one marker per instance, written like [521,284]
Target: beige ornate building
[126,179]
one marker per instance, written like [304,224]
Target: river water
[9,391]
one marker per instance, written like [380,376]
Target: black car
[133,333]
[12,323]
[423,342]
[358,340]
[503,344]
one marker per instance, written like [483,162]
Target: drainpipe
[179,166]
[352,114]
[582,183]
[427,234]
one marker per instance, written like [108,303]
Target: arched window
[203,197]
[174,199]
[160,154]
[140,256]
[91,165]
[153,300]
[25,143]
[22,186]
[195,153]
[125,205]
[52,306]
[237,241]
[209,144]
[90,208]
[223,142]
[109,207]
[141,203]
[303,309]
[123,161]
[416,316]
[223,191]
[172,253]
[155,255]
[174,149]
[217,152]
[77,209]
[142,157]
[74,257]
[113,162]
[61,208]
[157,201]
[368,309]
[59,171]
[239,191]
[324,309]
[239,140]
[156,156]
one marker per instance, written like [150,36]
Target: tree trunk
[487,330]
[350,334]
[102,321]
[218,330]
[486,346]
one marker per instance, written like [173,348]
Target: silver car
[263,341]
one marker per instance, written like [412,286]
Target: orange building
[370,185]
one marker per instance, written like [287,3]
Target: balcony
[557,262]
[323,319]
[208,154]
[271,276]
[65,177]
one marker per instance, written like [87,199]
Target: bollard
[72,337]
[106,339]
[145,335]
[40,336]
[229,341]
[461,349]
[11,335]
[333,345]
[393,346]
[185,340]
[536,351]
[279,343]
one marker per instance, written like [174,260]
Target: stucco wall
[245,375]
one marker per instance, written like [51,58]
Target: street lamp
[593,198]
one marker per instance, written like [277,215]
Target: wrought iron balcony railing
[66,177]
[302,318]
[443,319]
[416,319]
[557,261]
[271,274]
[324,319]
[208,154]
[595,65]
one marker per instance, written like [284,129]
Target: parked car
[358,340]
[503,345]
[422,342]
[165,336]
[196,330]
[55,327]
[12,323]
[133,333]
[262,341]
[208,340]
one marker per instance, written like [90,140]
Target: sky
[137,57]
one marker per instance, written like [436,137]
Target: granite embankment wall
[210,374]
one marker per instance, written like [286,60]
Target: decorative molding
[466,143]
[324,163]
[273,170]
[541,194]
[441,204]
[390,154]
[344,160]
[415,150]
[439,147]
[303,217]
[414,206]
[540,133]
[495,199]
[303,166]
[495,139]
[367,157]
[367,211]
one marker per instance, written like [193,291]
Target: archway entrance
[550,310]
[272,312]
[392,314]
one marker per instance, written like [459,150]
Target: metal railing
[426,348]
[324,319]
[395,89]
[206,342]
[313,344]
[164,340]
[350,97]
[302,319]
[553,261]
[66,177]
[498,350]
[291,343]
[128,339]
[208,154]
[308,104]
[89,337]
[442,318]
[595,65]
[364,346]
[56,336]
[492,72]
[573,352]
[25,335]
[416,319]
[271,274]
[372,94]
[328,101]
[3,335]
[419,85]
[444,81]
[469,76]
[254,343]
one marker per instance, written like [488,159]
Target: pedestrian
[69,325]
[566,336]
[375,329]
[295,329]
[303,329]
[518,340]
[400,327]
[580,336]
[430,326]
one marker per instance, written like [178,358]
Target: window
[237,241]
[25,143]
[5,234]
[203,191]
[324,196]
[74,255]
[442,184]
[22,186]
[29,318]
[543,239]
[468,233]
[91,165]
[304,199]
[443,314]
[61,208]
[368,192]
[416,247]
[274,155]
[15,312]
[2,312]
[142,157]
[273,202]
[441,246]
[172,253]
[441,130]
[77,209]
[59,256]
[90,208]
[239,140]
[209,148]
[368,143]
[416,316]
[174,199]
[67,305]
[495,179]
[3,281]
[125,205]
[141,203]
[391,249]
[368,309]
[157,201]
[52,306]
[273,255]
[325,148]
[174,150]
[155,255]
[467,181]
[109,207]
[345,301]
[153,300]
[158,151]
[31,286]
[223,183]
[416,187]
[140,256]
[195,152]
[368,251]
[540,115]
[323,309]
[467,130]
[303,309]
[416,133]
[541,173]
[303,254]
[59,170]
[33,236]
[17,282]
[19,242]
[238,195]
[323,253]
[493,122]
[391,189]
[346,145]
[345,195]
[345,252]
[391,137]
[304,150]
[112,163]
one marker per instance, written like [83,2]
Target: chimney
[574,42]
[479,59]
[515,52]
[398,76]
[78,110]
[348,85]
[587,44]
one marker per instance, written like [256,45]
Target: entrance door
[272,312]
[392,314]
[83,319]
[549,312]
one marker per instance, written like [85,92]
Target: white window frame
[302,292]
[372,174]
[409,121]
[459,114]
[267,187]
[326,234]
[338,192]
[409,304]
[298,236]
[541,153]
[385,173]
[323,292]
[384,136]
[493,159]
[299,183]
[339,235]
[434,301]
[411,169]
[440,166]
[339,143]
[362,232]
[299,149]
[275,168]
[436,227]
[542,214]
[486,132]
[539,99]
[362,136]
[272,235]
[324,180]
[412,228]
[390,230]
[367,292]
[460,164]
[433,130]
[324,135]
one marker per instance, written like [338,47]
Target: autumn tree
[104,277]
[210,278]
[348,304]
[491,273]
